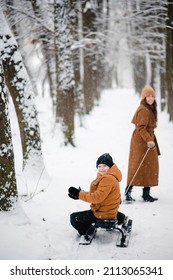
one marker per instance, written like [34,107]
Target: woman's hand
[150,144]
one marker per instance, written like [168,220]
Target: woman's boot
[146,195]
[128,192]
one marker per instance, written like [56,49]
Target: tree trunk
[22,95]
[139,69]
[65,108]
[162,85]
[19,86]
[77,53]
[46,39]
[8,187]
[90,63]
[169,61]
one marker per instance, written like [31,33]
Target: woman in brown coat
[104,196]
[144,146]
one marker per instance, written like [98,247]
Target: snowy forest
[71,50]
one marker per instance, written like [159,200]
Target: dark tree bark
[90,63]
[20,89]
[65,108]
[45,37]
[169,60]
[139,69]
[77,54]
[8,187]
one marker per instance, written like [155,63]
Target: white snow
[39,228]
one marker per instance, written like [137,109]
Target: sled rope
[137,170]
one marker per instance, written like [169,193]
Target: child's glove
[150,144]
[73,192]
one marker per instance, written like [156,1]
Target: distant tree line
[76,44]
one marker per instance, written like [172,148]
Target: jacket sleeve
[142,120]
[103,190]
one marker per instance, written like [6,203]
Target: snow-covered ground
[39,228]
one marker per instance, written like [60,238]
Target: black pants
[82,221]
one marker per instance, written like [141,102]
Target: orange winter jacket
[104,194]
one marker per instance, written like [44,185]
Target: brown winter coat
[145,124]
[104,194]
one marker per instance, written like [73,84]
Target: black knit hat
[105,159]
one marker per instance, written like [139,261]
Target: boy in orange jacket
[104,196]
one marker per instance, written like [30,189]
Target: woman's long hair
[152,107]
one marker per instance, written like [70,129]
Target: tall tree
[45,36]
[65,108]
[19,86]
[169,60]
[89,9]
[16,16]
[77,54]
[8,187]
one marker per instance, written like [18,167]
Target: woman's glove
[150,144]
[73,192]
